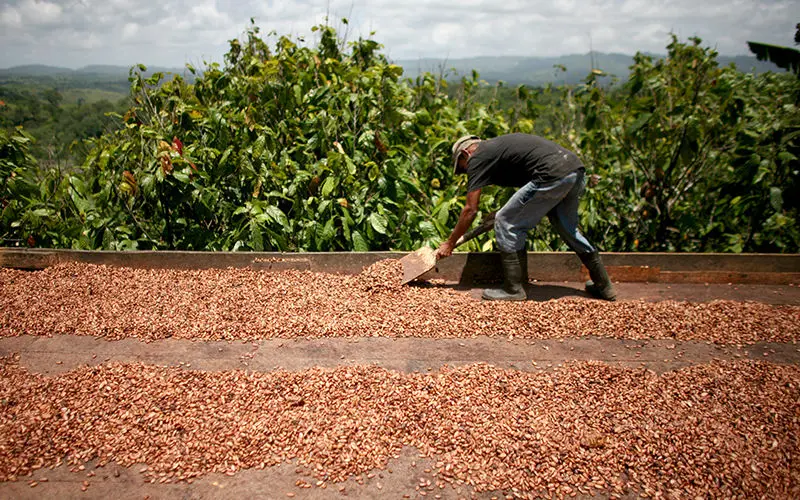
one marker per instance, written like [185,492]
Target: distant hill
[513,70]
[34,70]
[95,69]
[541,70]
[106,78]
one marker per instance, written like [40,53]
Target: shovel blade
[418,263]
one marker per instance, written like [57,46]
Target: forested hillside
[513,70]
[59,121]
[330,147]
[539,71]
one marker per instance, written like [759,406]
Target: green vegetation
[329,148]
[79,97]
[57,121]
[783,57]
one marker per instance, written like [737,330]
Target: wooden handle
[485,225]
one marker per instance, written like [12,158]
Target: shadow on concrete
[483,269]
[547,292]
[533,291]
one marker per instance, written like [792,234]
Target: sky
[77,33]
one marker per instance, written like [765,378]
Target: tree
[326,147]
[783,57]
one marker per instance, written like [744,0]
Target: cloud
[10,18]
[447,34]
[173,32]
[40,12]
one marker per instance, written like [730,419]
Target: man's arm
[464,221]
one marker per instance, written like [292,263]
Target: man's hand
[464,221]
[444,250]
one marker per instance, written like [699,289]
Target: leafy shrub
[325,148]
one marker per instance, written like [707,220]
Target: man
[551,181]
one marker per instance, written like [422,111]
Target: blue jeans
[559,201]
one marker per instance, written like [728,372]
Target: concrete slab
[407,476]
[654,292]
[58,354]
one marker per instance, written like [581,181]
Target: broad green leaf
[346,228]
[444,213]
[104,158]
[373,172]
[328,186]
[329,231]
[147,184]
[298,95]
[182,177]
[277,215]
[259,146]
[428,230]
[256,239]
[764,168]
[640,122]
[351,167]
[225,156]
[378,222]
[776,198]
[359,243]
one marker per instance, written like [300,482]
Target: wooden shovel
[423,260]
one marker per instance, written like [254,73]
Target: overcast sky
[75,33]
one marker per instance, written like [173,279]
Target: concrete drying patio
[409,475]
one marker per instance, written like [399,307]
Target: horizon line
[419,58]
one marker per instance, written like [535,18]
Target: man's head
[461,152]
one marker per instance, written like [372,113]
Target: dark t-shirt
[514,160]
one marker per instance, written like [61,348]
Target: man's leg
[511,225]
[564,218]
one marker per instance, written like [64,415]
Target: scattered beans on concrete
[719,430]
[247,304]
[724,429]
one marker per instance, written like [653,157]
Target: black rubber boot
[522,255]
[512,280]
[600,285]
